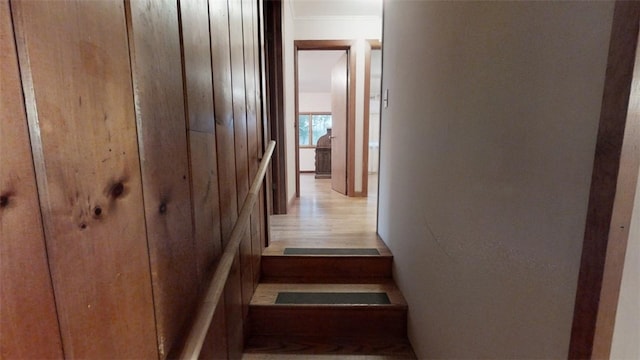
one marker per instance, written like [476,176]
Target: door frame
[273,100]
[349,47]
[611,198]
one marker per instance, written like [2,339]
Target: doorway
[321,122]
[325,98]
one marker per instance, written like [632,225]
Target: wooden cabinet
[323,156]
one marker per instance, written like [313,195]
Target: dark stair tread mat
[331,298]
[331,251]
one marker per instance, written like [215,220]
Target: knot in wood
[117,190]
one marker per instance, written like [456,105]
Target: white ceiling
[335,8]
[314,69]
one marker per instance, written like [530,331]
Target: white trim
[292,9]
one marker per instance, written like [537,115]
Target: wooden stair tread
[357,321]
[327,251]
[357,240]
[289,256]
[266,293]
[385,347]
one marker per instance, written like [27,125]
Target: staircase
[336,302]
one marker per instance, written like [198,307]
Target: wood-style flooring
[324,218]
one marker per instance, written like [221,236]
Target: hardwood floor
[322,217]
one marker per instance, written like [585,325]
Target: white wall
[374,110]
[626,334]
[289,98]
[312,102]
[308,159]
[359,123]
[336,28]
[374,141]
[501,100]
[328,28]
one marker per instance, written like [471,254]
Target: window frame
[310,114]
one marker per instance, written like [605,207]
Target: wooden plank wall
[204,162]
[145,132]
[262,125]
[26,297]
[273,72]
[154,41]
[76,77]
[254,132]
[240,103]
[223,103]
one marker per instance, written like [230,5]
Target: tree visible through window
[311,126]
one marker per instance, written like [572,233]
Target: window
[311,127]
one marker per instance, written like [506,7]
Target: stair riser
[326,269]
[392,347]
[352,322]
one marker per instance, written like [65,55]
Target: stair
[326,268]
[330,301]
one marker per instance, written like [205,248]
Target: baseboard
[290,203]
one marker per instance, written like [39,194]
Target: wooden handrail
[198,332]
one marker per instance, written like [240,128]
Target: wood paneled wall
[122,171]
[76,77]
[255,135]
[26,295]
[154,42]
[204,162]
